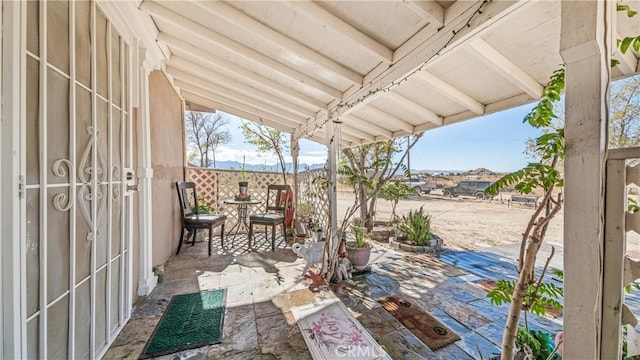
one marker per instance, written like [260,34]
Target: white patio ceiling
[293,64]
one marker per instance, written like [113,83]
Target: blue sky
[495,142]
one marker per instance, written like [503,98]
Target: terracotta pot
[359,257]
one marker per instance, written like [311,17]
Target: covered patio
[264,286]
[92,137]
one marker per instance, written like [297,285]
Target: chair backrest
[278,198]
[188,198]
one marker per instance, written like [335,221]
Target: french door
[77,131]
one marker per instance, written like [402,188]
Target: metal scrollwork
[116,193]
[61,202]
[59,168]
[88,173]
[115,171]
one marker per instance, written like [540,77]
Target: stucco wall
[167,160]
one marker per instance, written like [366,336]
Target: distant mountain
[474,172]
[436,172]
[235,165]
[480,171]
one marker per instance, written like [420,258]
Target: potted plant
[243,185]
[305,212]
[358,250]
[204,207]
[316,230]
[303,223]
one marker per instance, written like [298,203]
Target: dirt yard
[467,223]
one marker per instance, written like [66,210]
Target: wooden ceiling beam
[350,139]
[240,112]
[451,92]
[210,40]
[427,47]
[357,132]
[415,108]
[430,10]
[319,15]
[237,104]
[225,95]
[236,71]
[356,121]
[222,10]
[505,67]
[390,119]
[197,75]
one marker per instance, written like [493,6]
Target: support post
[333,145]
[295,152]
[585,46]
[614,251]
[146,280]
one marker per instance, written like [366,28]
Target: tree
[543,175]
[624,119]
[624,116]
[204,134]
[394,191]
[368,167]
[267,139]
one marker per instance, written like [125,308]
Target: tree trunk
[282,167]
[519,292]
[362,193]
[369,220]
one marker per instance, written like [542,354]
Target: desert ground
[471,224]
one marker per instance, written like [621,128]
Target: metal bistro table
[243,208]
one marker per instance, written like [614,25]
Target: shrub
[417,226]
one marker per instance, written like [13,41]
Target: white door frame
[12,180]
[147,280]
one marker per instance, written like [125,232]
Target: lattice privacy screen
[313,189]
[215,186]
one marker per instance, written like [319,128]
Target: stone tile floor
[262,287]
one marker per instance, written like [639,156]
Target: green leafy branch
[542,114]
[528,293]
[538,299]
[628,9]
[633,206]
[628,41]
[538,344]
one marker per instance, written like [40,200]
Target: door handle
[134,187]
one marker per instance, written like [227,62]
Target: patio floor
[262,286]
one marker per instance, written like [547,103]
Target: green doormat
[190,321]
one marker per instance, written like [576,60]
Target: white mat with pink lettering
[331,332]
